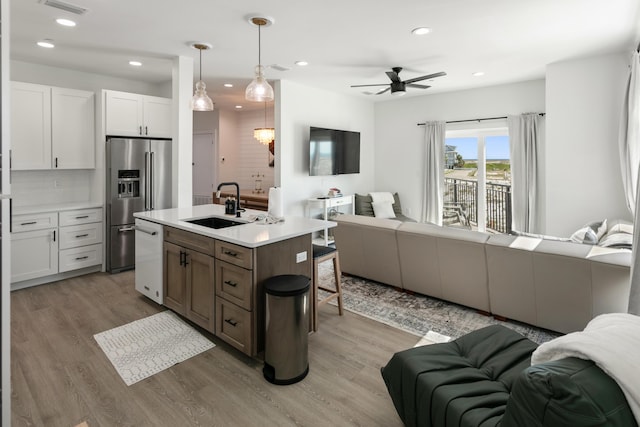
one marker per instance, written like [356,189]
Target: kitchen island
[214,277]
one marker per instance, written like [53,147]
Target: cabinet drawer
[80,235]
[234,254]
[339,201]
[189,240]
[86,256]
[31,222]
[80,216]
[233,324]
[234,284]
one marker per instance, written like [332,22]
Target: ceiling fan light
[259,89]
[264,135]
[398,93]
[200,100]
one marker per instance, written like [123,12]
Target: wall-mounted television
[333,152]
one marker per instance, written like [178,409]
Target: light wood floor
[62,378]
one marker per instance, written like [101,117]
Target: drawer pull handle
[231,322]
[81,258]
[82,217]
[82,235]
[230,253]
[29,223]
[230,283]
[146,287]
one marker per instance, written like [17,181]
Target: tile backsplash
[31,188]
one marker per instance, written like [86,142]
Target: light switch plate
[301,256]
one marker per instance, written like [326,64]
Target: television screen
[333,152]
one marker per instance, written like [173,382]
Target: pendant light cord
[200,49]
[259,45]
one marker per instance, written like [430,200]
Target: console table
[326,204]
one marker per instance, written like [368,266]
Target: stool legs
[333,293]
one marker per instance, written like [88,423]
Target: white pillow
[383,209]
[585,235]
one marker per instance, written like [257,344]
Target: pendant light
[259,89]
[200,100]
[265,135]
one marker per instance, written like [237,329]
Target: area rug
[417,314]
[147,346]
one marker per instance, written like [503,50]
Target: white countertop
[58,207]
[252,234]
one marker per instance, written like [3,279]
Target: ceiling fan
[399,87]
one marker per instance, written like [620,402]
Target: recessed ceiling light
[46,43]
[135,63]
[228,85]
[421,31]
[301,63]
[238,107]
[478,74]
[66,22]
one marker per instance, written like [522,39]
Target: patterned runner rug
[147,346]
[417,314]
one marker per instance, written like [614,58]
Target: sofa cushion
[465,382]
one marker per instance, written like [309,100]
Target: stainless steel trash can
[286,358]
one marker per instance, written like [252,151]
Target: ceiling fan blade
[381,84]
[380,92]
[418,86]
[428,76]
[393,76]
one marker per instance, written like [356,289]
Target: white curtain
[525,138]
[629,143]
[629,139]
[434,172]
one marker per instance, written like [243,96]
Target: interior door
[204,165]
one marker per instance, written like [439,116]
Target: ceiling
[345,42]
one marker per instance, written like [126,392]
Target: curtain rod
[476,120]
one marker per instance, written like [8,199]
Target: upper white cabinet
[52,128]
[131,114]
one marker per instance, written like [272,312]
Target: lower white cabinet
[45,244]
[34,254]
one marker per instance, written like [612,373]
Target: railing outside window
[464,193]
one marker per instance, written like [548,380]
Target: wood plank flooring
[61,377]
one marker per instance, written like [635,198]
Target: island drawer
[234,284]
[190,240]
[233,325]
[234,254]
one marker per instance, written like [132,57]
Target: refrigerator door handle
[147,182]
[152,203]
[124,229]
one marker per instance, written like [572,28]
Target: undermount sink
[214,222]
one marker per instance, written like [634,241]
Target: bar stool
[320,255]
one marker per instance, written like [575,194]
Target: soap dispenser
[230,206]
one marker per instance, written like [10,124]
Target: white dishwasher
[148,274]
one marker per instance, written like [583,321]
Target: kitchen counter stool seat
[320,255]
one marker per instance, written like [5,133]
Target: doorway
[204,172]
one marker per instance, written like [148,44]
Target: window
[477,179]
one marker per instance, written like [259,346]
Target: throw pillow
[363,205]
[383,209]
[585,235]
[397,207]
[617,240]
[598,227]
[620,226]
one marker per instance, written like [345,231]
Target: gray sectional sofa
[556,285]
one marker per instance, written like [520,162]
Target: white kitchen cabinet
[80,239]
[52,128]
[30,126]
[34,253]
[73,129]
[132,114]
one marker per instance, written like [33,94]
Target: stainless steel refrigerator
[138,179]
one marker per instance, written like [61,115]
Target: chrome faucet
[222,184]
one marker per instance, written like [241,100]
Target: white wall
[584,100]
[297,108]
[399,141]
